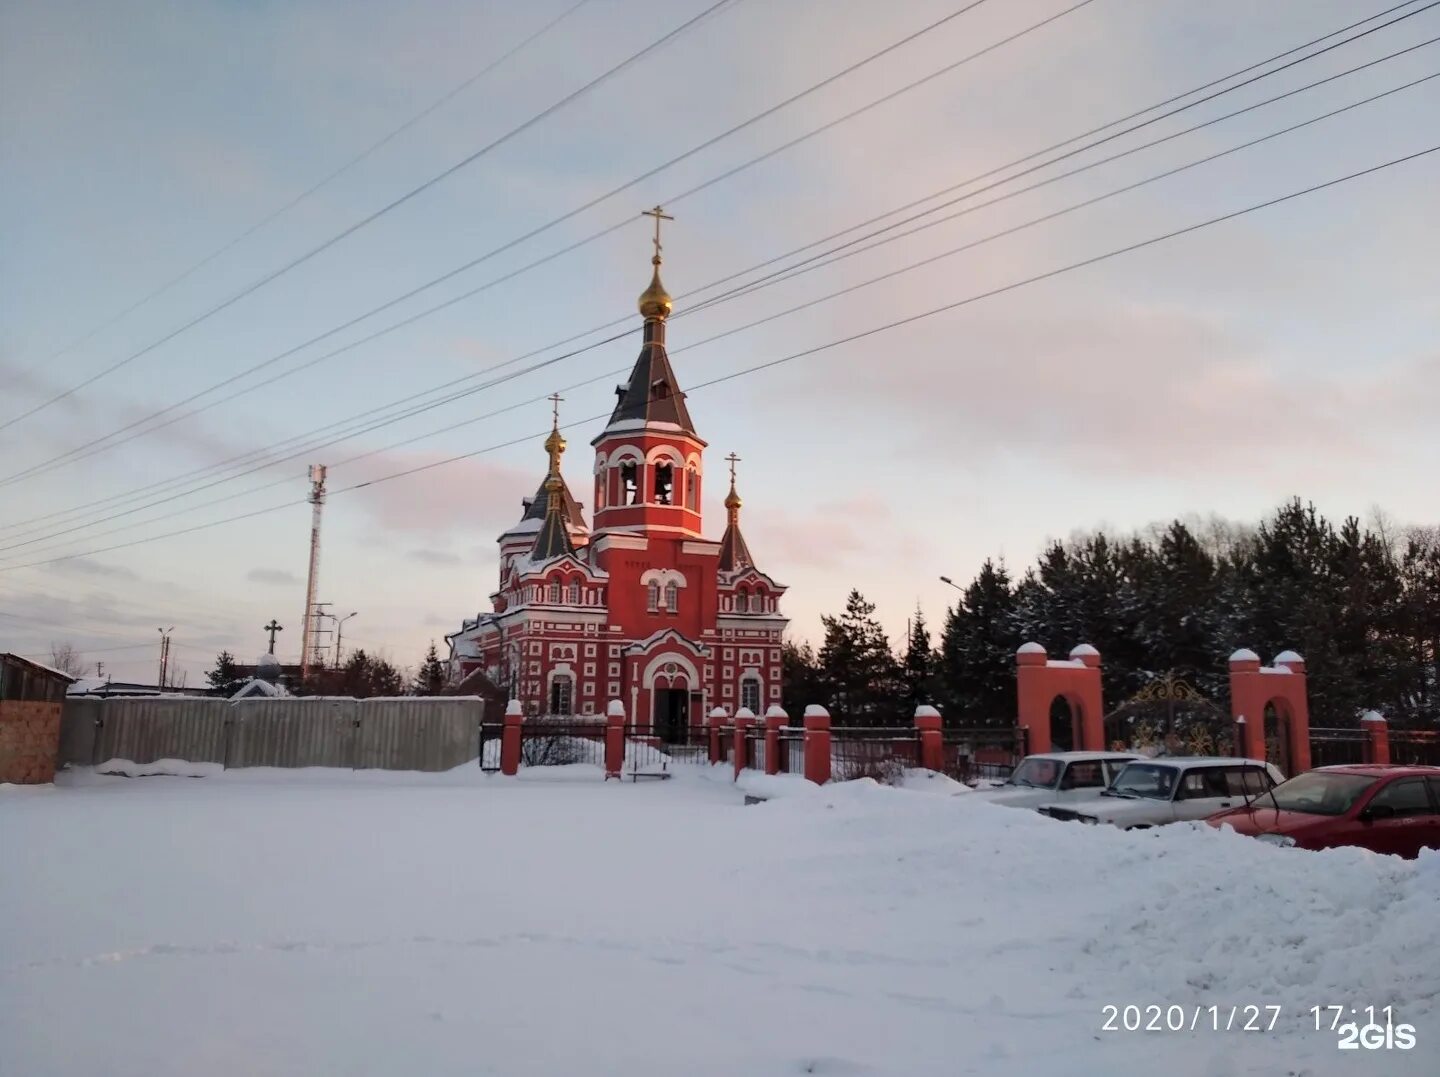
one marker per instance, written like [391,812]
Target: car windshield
[1144,780]
[1037,773]
[1319,793]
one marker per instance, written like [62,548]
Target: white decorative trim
[652,671]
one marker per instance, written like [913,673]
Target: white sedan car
[1057,777]
[1152,792]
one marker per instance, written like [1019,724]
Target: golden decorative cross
[555,399]
[733,460]
[660,215]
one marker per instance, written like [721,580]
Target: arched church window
[692,489]
[574,592]
[562,695]
[750,694]
[652,596]
[742,602]
[630,481]
[664,483]
[555,592]
[672,596]
[601,482]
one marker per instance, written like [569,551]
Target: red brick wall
[29,742]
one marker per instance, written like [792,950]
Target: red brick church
[638,605]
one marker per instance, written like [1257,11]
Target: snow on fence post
[1373,722]
[510,739]
[744,719]
[614,739]
[932,742]
[717,723]
[775,720]
[817,744]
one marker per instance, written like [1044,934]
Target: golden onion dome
[732,500]
[655,301]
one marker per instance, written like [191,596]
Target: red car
[1386,809]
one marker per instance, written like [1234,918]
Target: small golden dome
[732,500]
[555,443]
[655,301]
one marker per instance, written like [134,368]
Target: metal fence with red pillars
[1331,747]
[1412,747]
[983,752]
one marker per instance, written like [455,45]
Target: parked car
[1386,809]
[1151,792]
[1057,777]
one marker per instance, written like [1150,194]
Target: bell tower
[648,459]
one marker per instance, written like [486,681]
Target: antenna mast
[308,636]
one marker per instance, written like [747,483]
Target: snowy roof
[1084,649]
[1287,656]
[255,687]
[1030,648]
[1244,654]
[41,666]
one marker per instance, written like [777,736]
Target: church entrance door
[672,714]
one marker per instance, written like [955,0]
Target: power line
[96,445]
[757,368]
[908,268]
[100,444]
[370,218]
[364,154]
[779,276]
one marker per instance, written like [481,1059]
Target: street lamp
[952,583]
[339,625]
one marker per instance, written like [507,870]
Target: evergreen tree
[799,679]
[859,677]
[430,679]
[225,678]
[977,651]
[918,667]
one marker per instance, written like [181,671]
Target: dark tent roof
[653,394]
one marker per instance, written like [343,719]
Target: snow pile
[173,768]
[304,922]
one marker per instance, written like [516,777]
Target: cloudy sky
[1289,352]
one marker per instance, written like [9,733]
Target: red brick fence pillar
[614,739]
[717,742]
[932,741]
[817,744]
[510,738]
[775,720]
[1374,723]
[744,719]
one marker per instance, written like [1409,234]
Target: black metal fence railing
[988,752]
[1337,747]
[691,746]
[877,752]
[755,748]
[1414,747]
[490,736]
[558,742]
[791,749]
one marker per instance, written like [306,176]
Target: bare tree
[65,658]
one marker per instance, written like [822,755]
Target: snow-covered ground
[264,922]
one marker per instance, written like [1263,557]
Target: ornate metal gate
[1169,716]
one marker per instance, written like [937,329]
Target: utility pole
[311,622]
[273,627]
[164,652]
[99,669]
